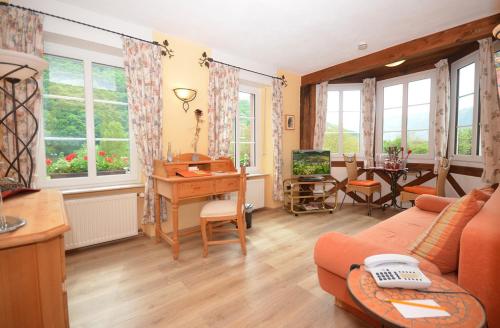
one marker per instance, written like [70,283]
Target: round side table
[465,311]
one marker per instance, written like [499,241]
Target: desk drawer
[225,185]
[197,188]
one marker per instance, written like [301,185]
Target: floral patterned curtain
[490,113]
[223,89]
[368,119]
[321,108]
[22,31]
[277,126]
[442,114]
[144,89]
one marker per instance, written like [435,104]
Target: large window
[342,131]
[85,122]
[405,105]
[244,144]
[465,133]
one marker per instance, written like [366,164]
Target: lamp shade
[12,60]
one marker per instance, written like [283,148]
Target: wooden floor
[136,283]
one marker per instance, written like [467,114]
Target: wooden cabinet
[32,263]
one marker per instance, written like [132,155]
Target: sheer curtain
[368,119]
[321,108]
[144,90]
[490,112]
[223,89]
[442,114]
[277,127]
[22,31]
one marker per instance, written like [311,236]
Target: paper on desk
[413,312]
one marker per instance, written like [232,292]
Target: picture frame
[289,122]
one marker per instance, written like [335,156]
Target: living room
[160,170]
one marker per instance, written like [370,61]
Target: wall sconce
[185,95]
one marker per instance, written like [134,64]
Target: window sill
[256,175]
[97,189]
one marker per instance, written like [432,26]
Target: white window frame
[405,80]
[257,155]
[92,179]
[341,88]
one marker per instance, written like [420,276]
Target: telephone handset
[396,271]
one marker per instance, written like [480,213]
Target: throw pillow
[440,244]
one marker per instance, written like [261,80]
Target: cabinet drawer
[191,189]
[225,185]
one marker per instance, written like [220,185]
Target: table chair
[411,193]
[366,187]
[216,213]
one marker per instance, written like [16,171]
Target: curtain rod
[205,60]
[165,51]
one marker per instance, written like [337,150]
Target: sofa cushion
[441,242]
[433,203]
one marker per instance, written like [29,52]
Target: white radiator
[99,219]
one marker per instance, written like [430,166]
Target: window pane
[64,118]
[111,120]
[333,101]
[64,77]
[245,104]
[466,79]
[393,96]
[351,100]
[351,121]
[66,158]
[108,83]
[419,92]
[392,119]
[246,129]
[246,154]
[418,117]
[418,141]
[465,111]
[331,142]
[112,157]
[392,139]
[351,142]
[332,121]
[464,140]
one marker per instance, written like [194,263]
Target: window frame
[92,179]
[236,131]
[452,142]
[405,80]
[341,88]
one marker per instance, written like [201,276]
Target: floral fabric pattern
[144,89]
[321,108]
[223,89]
[490,113]
[277,127]
[368,119]
[442,114]
[21,31]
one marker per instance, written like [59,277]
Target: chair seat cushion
[421,190]
[364,183]
[218,208]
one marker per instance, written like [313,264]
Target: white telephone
[396,271]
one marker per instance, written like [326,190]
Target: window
[465,132]
[244,144]
[85,137]
[405,105]
[342,131]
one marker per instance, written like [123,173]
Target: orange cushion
[481,194]
[432,203]
[421,190]
[364,183]
[440,244]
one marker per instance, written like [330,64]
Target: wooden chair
[411,193]
[366,187]
[216,213]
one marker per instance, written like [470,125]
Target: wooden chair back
[351,166]
[444,168]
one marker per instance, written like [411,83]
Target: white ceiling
[301,36]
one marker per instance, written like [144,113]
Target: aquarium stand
[310,196]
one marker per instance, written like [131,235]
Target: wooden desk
[176,189]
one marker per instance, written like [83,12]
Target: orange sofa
[479,261]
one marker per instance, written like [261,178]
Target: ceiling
[300,36]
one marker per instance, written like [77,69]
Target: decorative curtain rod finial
[283,81]
[166,50]
[205,60]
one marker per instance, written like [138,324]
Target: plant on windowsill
[198,113]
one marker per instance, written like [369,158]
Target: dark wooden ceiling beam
[429,44]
